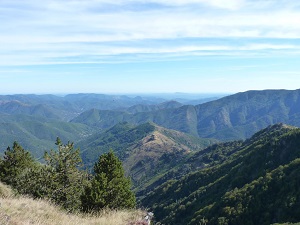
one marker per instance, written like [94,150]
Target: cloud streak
[73,32]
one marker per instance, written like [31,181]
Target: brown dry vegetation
[25,211]
[5,191]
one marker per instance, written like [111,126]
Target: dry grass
[5,191]
[25,211]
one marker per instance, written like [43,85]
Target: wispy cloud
[35,32]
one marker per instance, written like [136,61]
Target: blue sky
[148,46]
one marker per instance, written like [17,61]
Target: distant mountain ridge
[38,134]
[16,107]
[233,117]
[69,106]
[172,152]
[243,114]
[230,118]
[148,108]
[36,120]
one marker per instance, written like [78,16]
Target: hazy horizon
[162,95]
[151,46]
[146,94]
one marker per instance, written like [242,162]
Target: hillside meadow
[20,210]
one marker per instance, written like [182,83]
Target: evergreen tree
[66,179]
[37,182]
[109,188]
[15,162]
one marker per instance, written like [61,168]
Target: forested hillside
[146,150]
[257,184]
[36,120]
[242,114]
[174,154]
[38,134]
[39,119]
[230,118]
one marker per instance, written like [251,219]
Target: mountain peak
[270,130]
[280,126]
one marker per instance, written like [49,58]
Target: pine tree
[37,182]
[15,162]
[109,188]
[67,179]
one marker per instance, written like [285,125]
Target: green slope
[242,114]
[69,106]
[118,138]
[257,184]
[37,134]
[146,150]
[149,108]
[230,118]
[202,158]
[182,119]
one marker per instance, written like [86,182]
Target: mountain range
[233,117]
[231,160]
[36,120]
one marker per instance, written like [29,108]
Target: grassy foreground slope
[23,210]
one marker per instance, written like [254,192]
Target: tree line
[62,180]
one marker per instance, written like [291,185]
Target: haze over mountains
[233,117]
[36,120]
[210,162]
